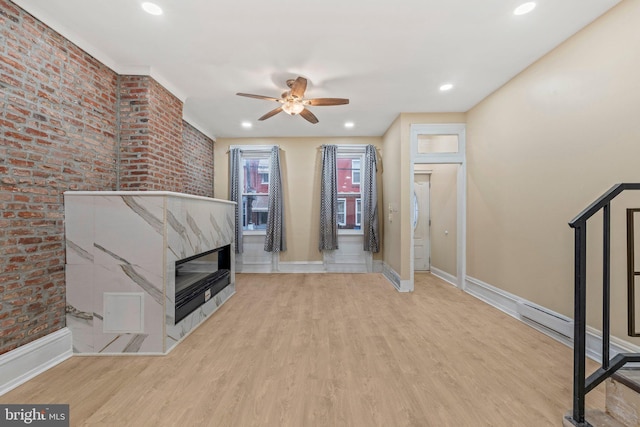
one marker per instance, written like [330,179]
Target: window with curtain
[349,162]
[369,205]
[348,195]
[328,236]
[255,189]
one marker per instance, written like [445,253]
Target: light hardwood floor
[329,350]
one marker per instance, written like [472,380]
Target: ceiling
[387,57]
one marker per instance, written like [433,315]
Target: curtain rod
[253,147]
[348,146]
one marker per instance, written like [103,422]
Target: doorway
[441,148]
[421,221]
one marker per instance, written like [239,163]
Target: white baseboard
[406,286]
[394,278]
[450,278]
[307,267]
[301,267]
[345,268]
[616,345]
[391,275]
[502,300]
[254,268]
[511,304]
[378,266]
[25,362]
[350,258]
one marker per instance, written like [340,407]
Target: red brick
[8,322]
[30,214]
[59,128]
[29,240]
[37,329]
[8,332]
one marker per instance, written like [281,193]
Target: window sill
[351,232]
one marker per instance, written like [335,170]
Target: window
[255,189]
[355,171]
[349,162]
[342,212]
[430,144]
[358,211]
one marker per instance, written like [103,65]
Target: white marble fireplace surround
[121,248]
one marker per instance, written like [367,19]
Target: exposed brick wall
[134,131]
[166,166]
[61,114]
[198,162]
[58,120]
[150,136]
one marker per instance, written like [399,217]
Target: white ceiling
[387,57]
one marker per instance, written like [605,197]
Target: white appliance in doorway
[422,222]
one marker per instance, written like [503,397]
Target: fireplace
[144,233]
[199,278]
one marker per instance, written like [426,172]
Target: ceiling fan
[293,101]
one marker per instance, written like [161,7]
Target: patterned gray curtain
[275,240]
[329,199]
[370,201]
[235,192]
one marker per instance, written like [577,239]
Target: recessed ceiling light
[446,87]
[247,125]
[524,8]
[151,8]
[349,125]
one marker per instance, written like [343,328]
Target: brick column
[198,162]
[151,153]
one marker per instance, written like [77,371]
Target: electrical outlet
[207,295]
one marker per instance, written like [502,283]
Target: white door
[422,223]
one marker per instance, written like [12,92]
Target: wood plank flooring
[329,350]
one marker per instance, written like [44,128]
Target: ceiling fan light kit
[294,103]
[293,107]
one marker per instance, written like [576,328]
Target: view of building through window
[255,190]
[255,193]
[349,195]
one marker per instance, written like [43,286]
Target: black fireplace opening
[199,278]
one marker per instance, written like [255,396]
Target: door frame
[458,158]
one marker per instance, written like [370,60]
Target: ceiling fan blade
[326,101]
[271,113]
[268,98]
[309,116]
[298,87]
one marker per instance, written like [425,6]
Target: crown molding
[104,58]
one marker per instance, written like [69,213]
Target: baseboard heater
[545,318]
